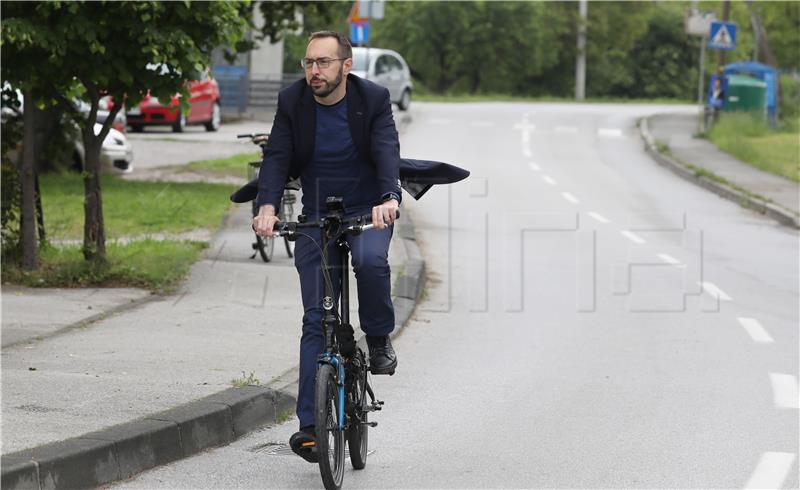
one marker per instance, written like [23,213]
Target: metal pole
[701,84]
[580,61]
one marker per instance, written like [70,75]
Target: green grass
[750,140]
[250,380]
[132,208]
[545,98]
[235,166]
[159,266]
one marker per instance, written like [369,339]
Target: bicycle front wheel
[330,436]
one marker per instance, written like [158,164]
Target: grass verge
[235,166]
[749,139]
[156,265]
[132,208]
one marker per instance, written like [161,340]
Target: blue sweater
[336,169]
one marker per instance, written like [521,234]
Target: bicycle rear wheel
[357,435]
[330,436]
[287,215]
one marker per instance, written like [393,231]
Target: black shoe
[382,359]
[304,444]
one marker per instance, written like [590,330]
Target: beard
[327,87]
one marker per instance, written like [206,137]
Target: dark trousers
[369,252]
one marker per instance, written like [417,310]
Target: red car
[203,109]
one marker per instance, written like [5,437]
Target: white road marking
[569,197]
[481,124]
[566,129]
[533,166]
[756,331]
[613,132]
[669,259]
[599,217]
[771,471]
[549,179]
[633,237]
[526,152]
[439,121]
[784,390]
[714,291]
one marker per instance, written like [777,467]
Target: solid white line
[569,197]
[549,179]
[566,129]
[756,331]
[669,259]
[533,166]
[713,290]
[599,217]
[609,132]
[771,471]
[633,237]
[784,390]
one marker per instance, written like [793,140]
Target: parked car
[115,156]
[204,108]
[385,67]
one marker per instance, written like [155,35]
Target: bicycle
[342,384]
[265,246]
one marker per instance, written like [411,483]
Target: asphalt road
[590,321]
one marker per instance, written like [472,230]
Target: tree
[61,51]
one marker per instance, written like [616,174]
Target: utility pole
[580,60]
[726,12]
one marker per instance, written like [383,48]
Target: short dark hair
[345,49]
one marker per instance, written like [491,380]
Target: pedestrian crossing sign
[722,36]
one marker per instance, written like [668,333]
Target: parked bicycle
[343,395]
[265,246]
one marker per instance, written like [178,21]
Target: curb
[749,201]
[121,451]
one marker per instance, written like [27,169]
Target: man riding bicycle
[336,133]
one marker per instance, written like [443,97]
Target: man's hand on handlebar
[385,214]
[265,221]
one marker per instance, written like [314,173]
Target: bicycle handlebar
[356,225]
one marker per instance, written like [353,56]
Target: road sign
[359,32]
[722,36]
[698,23]
[366,9]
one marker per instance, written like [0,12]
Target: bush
[789,103]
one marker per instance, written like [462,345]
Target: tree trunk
[30,250]
[94,235]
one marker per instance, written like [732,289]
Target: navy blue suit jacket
[290,147]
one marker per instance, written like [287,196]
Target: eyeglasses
[322,63]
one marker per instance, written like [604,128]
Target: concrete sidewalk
[82,361]
[770,194]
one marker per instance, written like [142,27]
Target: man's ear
[347,66]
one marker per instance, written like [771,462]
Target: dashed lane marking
[549,180]
[610,132]
[535,167]
[771,471]
[633,237]
[784,390]
[669,259]
[569,197]
[757,332]
[599,217]
[714,291]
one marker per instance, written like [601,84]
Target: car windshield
[360,60]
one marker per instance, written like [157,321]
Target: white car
[116,154]
[385,67]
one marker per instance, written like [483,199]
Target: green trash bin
[746,94]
